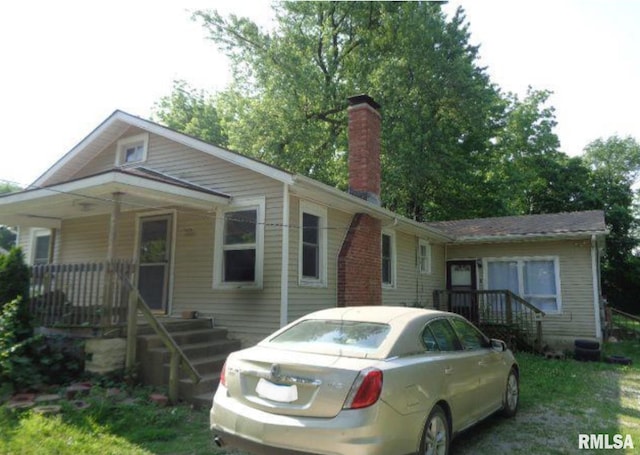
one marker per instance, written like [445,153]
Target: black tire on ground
[586,344]
[618,359]
[511,394]
[586,355]
[436,437]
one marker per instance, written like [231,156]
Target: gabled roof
[117,123]
[568,224]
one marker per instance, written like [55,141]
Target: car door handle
[448,370]
[482,363]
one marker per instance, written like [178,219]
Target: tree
[7,235]
[192,112]
[619,156]
[615,164]
[287,105]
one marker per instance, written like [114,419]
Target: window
[424,257]
[444,335]
[537,280]
[471,338]
[313,245]
[239,247]
[132,149]
[388,260]
[41,242]
[333,337]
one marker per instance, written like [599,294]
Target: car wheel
[511,394]
[435,439]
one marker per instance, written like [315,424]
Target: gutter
[358,205]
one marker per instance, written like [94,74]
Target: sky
[65,66]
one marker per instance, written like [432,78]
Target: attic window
[132,149]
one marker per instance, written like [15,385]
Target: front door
[154,253]
[461,277]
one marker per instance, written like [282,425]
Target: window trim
[520,260]
[392,235]
[122,144]
[218,255]
[321,213]
[427,270]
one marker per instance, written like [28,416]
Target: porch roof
[139,188]
[544,226]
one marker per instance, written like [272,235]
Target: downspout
[284,272]
[595,267]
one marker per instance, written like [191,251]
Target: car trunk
[292,383]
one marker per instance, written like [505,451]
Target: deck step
[205,346]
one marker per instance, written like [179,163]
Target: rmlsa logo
[604,441]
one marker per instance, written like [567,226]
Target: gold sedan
[363,381]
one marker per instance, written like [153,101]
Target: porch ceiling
[49,206]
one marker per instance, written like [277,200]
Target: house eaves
[316,191]
[117,123]
[94,195]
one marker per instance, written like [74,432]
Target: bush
[17,344]
[28,360]
[14,277]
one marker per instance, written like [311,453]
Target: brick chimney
[360,257]
[364,148]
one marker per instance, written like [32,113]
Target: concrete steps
[205,346]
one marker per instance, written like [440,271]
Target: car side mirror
[498,345]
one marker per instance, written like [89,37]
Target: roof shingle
[539,225]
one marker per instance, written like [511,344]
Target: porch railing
[80,295]
[500,313]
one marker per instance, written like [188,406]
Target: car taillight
[365,390]
[223,375]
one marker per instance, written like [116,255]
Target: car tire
[618,360]
[511,394]
[436,437]
[587,355]
[586,344]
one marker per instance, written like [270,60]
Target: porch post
[109,272]
[113,226]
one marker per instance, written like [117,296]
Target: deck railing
[80,295]
[497,312]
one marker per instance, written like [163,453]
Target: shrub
[17,344]
[28,360]
[14,277]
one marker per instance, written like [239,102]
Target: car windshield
[333,336]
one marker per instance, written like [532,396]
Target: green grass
[107,426]
[559,400]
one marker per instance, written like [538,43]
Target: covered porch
[80,234]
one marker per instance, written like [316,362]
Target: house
[216,234]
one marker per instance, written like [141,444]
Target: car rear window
[334,336]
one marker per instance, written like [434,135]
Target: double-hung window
[239,246]
[424,257]
[388,259]
[535,279]
[313,245]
